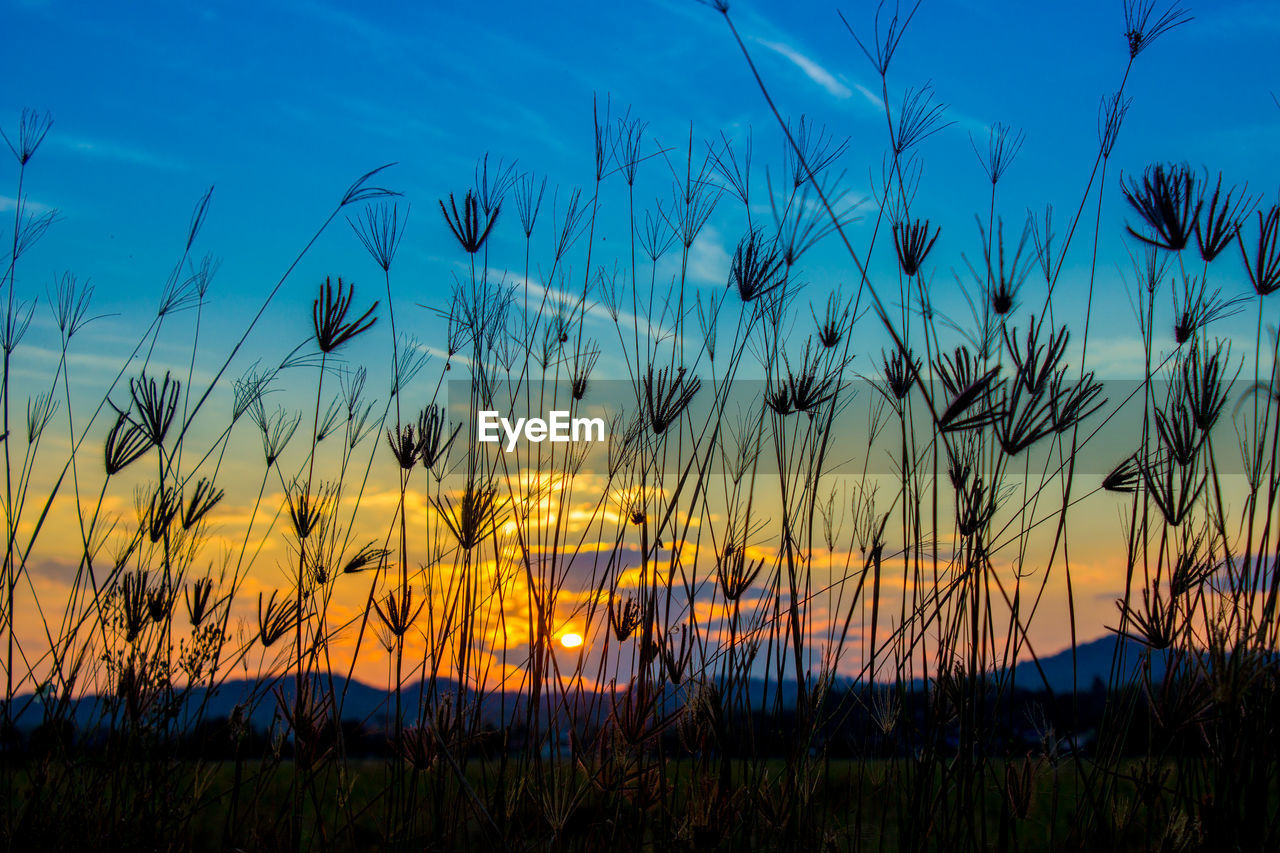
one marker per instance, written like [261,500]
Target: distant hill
[1092,660]
[372,706]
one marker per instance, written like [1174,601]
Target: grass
[787,650]
[859,802]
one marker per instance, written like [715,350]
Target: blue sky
[281,104]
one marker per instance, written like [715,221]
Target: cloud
[347,24]
[9,204]
[708,258]
[872,98]
[1117,357]
[104,150]
[546,299]
[811,69]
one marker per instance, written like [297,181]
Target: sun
[571,640]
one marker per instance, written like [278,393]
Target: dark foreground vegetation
[225,783]
[783,649]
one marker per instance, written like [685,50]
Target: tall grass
[784,648]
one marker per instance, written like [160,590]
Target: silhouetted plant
[466,223]
[329,315]
[1220,225]
[33,127]
[913,243]
[756,267]
[1263,266]
[1168,198]
[667,393]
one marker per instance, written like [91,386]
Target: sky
[280,105]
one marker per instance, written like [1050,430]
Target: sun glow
[571,640]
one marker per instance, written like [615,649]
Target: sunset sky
[280,105]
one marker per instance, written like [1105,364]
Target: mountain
[373,706]
[1092,661]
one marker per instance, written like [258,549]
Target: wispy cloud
[106,150]
[872,98]
[811,69]
[547,298]
[836,85]
[349,24]
[708,258]
[9,204]
[1117,357]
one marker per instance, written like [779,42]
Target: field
[851,805]
[874,542]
